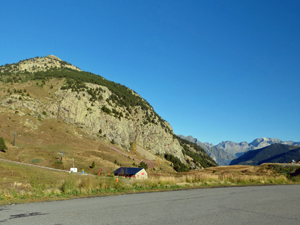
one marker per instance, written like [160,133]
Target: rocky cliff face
[75,108]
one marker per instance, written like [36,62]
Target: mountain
[275,153]
[219,155]
[43,89]
[238,149]
[234,149]
[224,152]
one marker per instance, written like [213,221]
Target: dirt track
[27,164]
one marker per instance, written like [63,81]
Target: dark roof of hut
[127,170]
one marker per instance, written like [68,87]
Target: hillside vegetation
[54,107]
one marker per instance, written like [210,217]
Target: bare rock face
[122,131]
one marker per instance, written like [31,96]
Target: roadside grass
[22,184]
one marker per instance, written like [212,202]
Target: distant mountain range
[224,152]
[275,153]
[219,155]
[238,149]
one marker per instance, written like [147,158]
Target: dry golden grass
[21,183]
[224,175]
[51,138]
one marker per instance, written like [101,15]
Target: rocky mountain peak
[53,57]
[263,142]
[37,64]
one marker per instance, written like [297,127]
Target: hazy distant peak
[264,141]
[219,155]
[208,144]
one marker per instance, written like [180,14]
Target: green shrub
[143,165]
[105,109]
[93,165]
[3,147]
[117,163]
[69,187]
[36,160]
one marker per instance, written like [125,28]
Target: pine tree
[143,165]
[93,165]
[3,147]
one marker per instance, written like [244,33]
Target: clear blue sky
[217,70]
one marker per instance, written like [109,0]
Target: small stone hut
[131,172]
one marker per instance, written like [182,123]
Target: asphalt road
[235,205]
